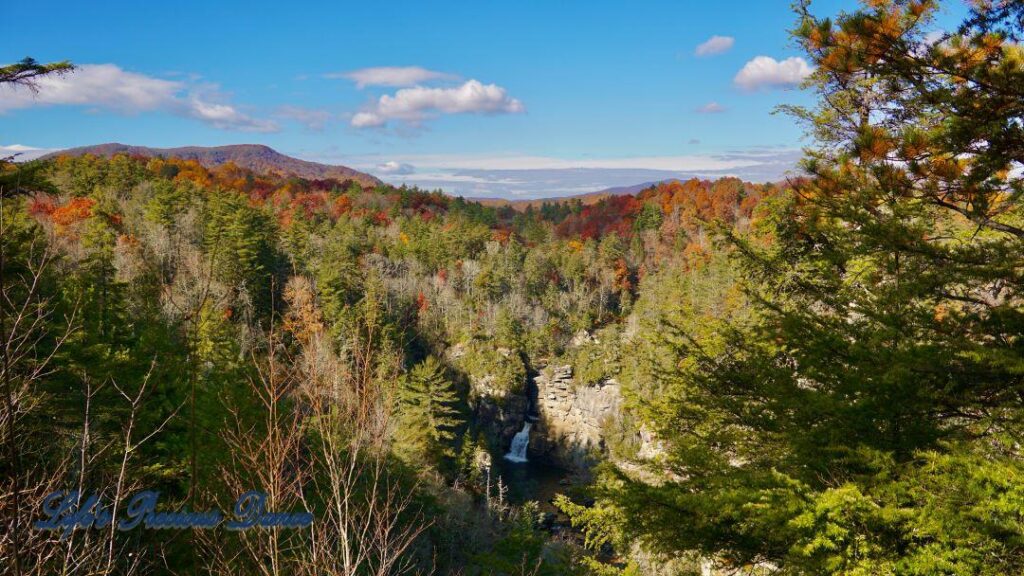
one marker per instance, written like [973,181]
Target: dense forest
[819,376]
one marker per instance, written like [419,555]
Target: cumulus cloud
[419,103]
[715,45]
[109,87]
[312,118]
[100,85]
[396,168]
[767,72]
[711,108]
[226,117]
[392,76]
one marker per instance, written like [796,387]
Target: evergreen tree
[428,413]
[866,419]
[239,241]
[649,218]
[27,72]
[472,456]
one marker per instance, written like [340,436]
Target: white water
[517,452]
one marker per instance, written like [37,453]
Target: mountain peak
[256,157]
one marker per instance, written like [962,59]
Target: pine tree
[471,456]
[428,413]
[240,242]
[27,72]
[649,217]
[866,419]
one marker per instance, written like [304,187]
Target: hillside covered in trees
[259,159]
[821,376]
[235,315]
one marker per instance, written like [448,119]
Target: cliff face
[572,419]
[501,415]
[569,421]
[499,409]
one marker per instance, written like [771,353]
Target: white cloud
[767,72]
[100,85]
[23,153]
[705,162]
[312,118]
[397,168]
[107,86]
[393,76]
[414,105]
[520,176]
[511,175]
[367,120]
[711,108]
[221,115]
[934,37]
[18,148]
[715,45]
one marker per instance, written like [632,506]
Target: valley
[488,351]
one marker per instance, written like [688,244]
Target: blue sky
[516,99]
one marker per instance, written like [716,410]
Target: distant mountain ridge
[586,198]
[635,188]
[256,157]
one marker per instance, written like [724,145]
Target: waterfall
[517,452]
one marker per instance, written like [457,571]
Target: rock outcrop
[499,413]
[572,418]
[501,417]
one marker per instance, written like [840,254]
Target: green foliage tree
[520,549]
[166,203]
[240,242]
[880,374]
[471,457]
[22,178]
[649,218]
[428,413]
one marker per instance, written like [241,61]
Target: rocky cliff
[500,416]
[496,389]
[572,418]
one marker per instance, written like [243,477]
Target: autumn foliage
[74,211]
[685,206]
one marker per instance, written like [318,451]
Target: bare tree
[319,442]
[28,345]
[369,520]
[129,445]
[266,453]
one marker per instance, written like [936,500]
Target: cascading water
[517,452]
